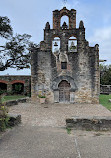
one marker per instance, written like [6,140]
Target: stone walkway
[35,139]
[54,115]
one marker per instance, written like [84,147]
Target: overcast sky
[30,16]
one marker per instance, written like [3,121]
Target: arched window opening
[65,22]
[56,45]
[72,44]
[3,86]
[18,88]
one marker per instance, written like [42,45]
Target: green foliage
[105,74]
[6,92]
[16,52]
[18,88]
[68,130]
[6,30]
[12,97]
[9,92]
[41,96]
[104,100]
[4,123]
[2,92]
[4,119]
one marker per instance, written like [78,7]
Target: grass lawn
[12,97]
[104,101]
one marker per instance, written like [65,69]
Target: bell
[72,45]
[55,44]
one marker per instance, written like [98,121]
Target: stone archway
[64,91]
[69,85]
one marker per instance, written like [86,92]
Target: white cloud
[102,36]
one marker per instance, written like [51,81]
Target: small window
[63,65]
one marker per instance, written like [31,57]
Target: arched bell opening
[64,22]
[56,45]
[72,44]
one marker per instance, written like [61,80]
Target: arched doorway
[64,91]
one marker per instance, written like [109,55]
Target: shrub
[41,96]
[4,119]
[18,88]
[9,92]
[2,92]
[4,123]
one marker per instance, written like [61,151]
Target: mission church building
[65,68]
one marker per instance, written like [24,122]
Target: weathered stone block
[89,123]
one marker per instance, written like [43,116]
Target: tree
[16,51]
[14,54]
[6,30]
[105,74]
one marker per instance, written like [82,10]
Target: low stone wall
[105,89]
[89,123]
[15,102]
[14,119]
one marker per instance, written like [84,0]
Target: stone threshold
[96,123]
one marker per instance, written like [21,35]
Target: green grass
[104,100]
[68,130]
[12,97]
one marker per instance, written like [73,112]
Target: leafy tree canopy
[16,51]
[6,30]
[105,74]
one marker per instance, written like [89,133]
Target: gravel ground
[54,115]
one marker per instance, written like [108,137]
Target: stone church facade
[65,68]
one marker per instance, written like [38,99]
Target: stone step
[96,123]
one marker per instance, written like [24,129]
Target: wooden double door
[64,91]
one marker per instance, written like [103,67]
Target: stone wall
[82,72]
[58,14]
[11,79]
[96,123]
[105,89]
[41,83]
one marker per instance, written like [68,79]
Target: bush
[18,88]
[2,92]
[41,96]
[4,119]
[9,92]
[4,123]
